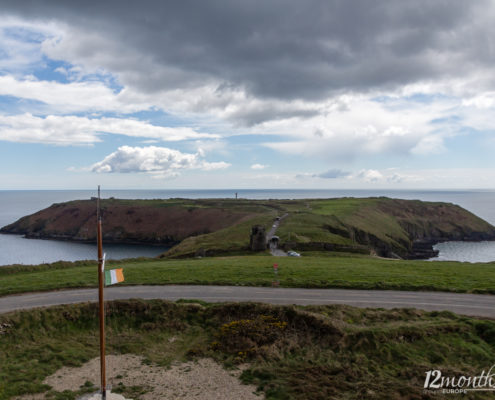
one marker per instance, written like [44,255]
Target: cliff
[382,226]
[126,221]
[389,227]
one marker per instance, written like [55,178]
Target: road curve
[460,303]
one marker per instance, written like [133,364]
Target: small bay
[37,251]
[465,251]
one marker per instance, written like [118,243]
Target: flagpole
[101,280]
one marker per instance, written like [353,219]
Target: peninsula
[380,226]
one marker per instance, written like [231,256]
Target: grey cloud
[252,116]
[287,49]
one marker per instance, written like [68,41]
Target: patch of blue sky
[25,158]
[370,161]
[159,118]
[11,105]
[254,138]
[63,72]
[24,34]
[51,70]
[414,98]
[472,148]
[111,141]
[451,119]
[469,149]
[52,160]
[110,80]
[249,149]
[403,102]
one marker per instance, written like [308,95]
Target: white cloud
[20,43]
[386,177]
[482,101]
[72,97]
[362,127]
[161,162]
[366,178]
[62,131]
[370,175]
[429,145]
[71,130]
[344,127]
[258,166]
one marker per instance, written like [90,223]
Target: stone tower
[258,238]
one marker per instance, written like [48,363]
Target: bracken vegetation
[318,352]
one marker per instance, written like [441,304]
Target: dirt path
[203,379]
[274,250]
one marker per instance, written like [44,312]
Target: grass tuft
[315,352]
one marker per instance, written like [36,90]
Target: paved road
[468,304]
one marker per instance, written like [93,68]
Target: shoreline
[34,251]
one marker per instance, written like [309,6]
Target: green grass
[312,353]
[305,227]
[316,222]
[342,207]
[233,239]
[311,271]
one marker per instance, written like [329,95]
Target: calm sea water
[15,204]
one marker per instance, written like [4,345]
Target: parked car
[292,253]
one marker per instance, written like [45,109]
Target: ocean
[15,204]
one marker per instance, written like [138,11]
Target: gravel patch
[203,379]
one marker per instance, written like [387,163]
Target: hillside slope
[131,221]
[382,226]
[390,227]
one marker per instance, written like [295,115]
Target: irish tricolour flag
[114,276]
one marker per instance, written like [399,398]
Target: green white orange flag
[114,276]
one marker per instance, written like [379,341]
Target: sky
[217,94]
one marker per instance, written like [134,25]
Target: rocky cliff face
[429,223]
[414,227]
[124,221]
[392,228]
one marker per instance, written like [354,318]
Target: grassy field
[313,270]
[293,352]
[229,240]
